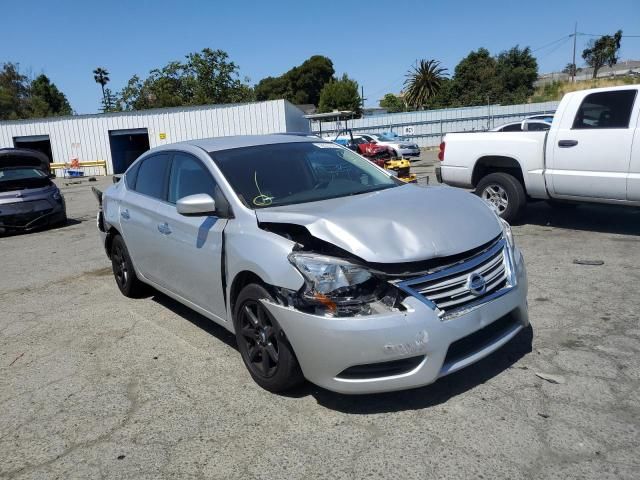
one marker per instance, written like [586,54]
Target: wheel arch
[241,280]
[496,163]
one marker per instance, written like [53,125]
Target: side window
[131,175]
[152,176]
[538,126]
[188,177]
[605,110]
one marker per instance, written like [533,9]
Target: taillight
[441,152]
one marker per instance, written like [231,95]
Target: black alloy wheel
[260,338]
[263,345]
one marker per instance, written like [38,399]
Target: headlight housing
[336,286]
[508,234]
[56,195]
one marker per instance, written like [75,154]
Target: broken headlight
[337,286]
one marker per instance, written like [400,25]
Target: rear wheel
[262,343]
[123,271]
[504,192]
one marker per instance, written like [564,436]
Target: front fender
[262,253]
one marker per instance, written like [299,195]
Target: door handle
[567,143]
[164,228]
[125,214]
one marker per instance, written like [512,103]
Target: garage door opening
[41,143]
[126,146]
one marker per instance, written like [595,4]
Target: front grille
[479,340]
[382,369]
[448,289]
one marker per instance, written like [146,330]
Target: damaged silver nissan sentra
[325,266]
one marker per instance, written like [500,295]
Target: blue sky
[373,41]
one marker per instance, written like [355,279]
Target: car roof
[238,141]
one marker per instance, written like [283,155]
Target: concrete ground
[95,385]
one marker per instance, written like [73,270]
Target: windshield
[22,177]
[289,173]
[385,137]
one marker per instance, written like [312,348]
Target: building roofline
[149,111]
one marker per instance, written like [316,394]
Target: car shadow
[195,318]
[588,217]
[431,395]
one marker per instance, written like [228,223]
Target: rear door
[192,252]
[142,209]
[591,150]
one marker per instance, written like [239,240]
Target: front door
[193,250]
[590,152]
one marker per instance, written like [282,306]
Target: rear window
[605,110]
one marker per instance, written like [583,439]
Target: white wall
[87,136]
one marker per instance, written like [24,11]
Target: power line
[556,48]
[565,37]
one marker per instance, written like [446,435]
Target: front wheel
[504,193]
[262,343]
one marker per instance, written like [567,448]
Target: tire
[123,270]
[262,343]
[505,192]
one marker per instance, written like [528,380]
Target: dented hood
[403,224]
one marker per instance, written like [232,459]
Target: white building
[119,138]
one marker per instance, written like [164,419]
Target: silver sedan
[309,253]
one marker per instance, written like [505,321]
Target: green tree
[516,71]
[475,79]
[46,100]
[21,98]
[300,85]
[393,103]
[340,94]
[110,102]
[101,77]
[423,82]
[445,97]
[603,51]
[14,92]
[206,77]
[570,69]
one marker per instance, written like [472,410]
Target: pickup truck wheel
[123,271]
[504,192]
[262,343]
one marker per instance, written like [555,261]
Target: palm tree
[423,82]
[101,76]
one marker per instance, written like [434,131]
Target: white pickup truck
[590,154]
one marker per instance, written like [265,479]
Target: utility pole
[362,99]
[574,67]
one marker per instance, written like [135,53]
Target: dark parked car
[28,197]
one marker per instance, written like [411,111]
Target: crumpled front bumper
[326,346]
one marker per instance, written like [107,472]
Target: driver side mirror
[198,205]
